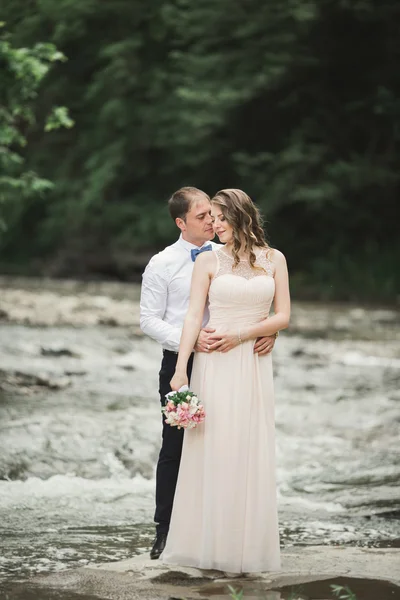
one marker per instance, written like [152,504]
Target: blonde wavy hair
[244,217]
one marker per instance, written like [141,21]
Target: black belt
[172,353]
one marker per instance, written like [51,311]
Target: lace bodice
[226,263]
[240,295]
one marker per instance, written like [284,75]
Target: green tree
[21,73]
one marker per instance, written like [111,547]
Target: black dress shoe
[158,545]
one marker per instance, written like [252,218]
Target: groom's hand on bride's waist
[204,340]
[264,345]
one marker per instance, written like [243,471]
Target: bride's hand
[223,341]
[178,380]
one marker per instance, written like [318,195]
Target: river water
[80,432]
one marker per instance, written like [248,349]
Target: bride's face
[221,226]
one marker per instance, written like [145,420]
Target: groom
[163,305]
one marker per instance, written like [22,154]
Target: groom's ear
[180,223]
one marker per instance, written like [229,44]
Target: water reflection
[252,595]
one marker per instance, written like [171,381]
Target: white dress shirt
[165,293]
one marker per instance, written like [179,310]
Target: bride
[225,515]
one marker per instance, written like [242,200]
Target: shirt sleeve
[153,303]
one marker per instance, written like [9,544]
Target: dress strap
[224,263]
[217,264]
[265,262]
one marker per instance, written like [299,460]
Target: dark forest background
[296,102]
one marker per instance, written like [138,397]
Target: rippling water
[77,461]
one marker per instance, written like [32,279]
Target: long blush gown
[225,512]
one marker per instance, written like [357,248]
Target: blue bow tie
[196,251]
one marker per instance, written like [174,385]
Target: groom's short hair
[181,201]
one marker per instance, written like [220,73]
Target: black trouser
[171,449]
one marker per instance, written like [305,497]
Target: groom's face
[197,227]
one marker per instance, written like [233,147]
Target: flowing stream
[80,430]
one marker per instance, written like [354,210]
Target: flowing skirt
[225,515]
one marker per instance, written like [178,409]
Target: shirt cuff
[173,340]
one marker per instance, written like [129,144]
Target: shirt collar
[188,246]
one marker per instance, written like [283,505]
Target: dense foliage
[296,102]
[22,70]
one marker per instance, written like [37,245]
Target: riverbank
[307,573]
[49,302]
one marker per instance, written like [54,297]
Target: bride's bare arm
[280,320]
[202,273]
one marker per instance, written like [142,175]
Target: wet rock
[58,351]
[310,387]
[13,467]
[109,321]
[28,382]
[177,577]
[18,379]
[74,372]
[298,352]
[58,383]
[304,352]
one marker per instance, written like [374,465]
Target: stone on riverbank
[372,569]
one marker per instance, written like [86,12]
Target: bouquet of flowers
[183,409]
